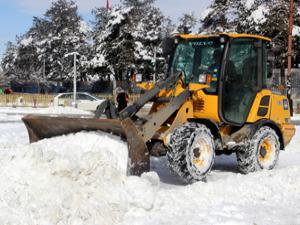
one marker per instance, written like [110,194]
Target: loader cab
[199,60]
[235,67]
[244,74]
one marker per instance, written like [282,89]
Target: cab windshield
[197,57]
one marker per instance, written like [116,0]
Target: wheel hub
[201,153]
[265,150]
[196,152]
[197,161]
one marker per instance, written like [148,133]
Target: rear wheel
[192,152]
[262,152]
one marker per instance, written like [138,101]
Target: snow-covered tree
[113,41]
[220,16]
[262,17]
[148,36]
[67,34]
[51,38]
[271,19]
[9,60]
[168,27]
[187,23]
[128,38]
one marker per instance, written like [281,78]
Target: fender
[248,131]
[213,128]
[274,126]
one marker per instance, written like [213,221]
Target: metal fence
[295,91]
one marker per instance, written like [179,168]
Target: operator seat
[248,82]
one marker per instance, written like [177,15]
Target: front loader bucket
[41,127]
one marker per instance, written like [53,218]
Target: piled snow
[9,118]
[296,117]
[64,181]
[15,114]
[49,110]
[81,179]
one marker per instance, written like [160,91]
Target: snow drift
[80,179]
[75,179]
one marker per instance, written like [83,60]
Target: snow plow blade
[41,127]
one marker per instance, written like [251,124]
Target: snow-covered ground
[296,117]
[8,114]
[81,179]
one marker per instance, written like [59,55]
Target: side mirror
[168,46]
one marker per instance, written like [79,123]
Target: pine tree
[113,41]
[187,23]
[129,37]
[262,17]
[67,34]
[219,17]
[9,60]
[52,38]
[270,19]
[168,27]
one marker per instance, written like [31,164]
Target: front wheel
[192,152]
[262,152]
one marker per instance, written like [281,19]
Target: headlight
[202,78]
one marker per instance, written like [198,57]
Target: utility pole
[155,64]
[290,49]
[290,46]
[75,82]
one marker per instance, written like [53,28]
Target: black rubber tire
[181,155]
[249,157]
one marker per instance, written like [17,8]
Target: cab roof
[232,35]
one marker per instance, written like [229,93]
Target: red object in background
[8,91]
[107,4]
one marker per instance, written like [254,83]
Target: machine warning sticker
[285,104]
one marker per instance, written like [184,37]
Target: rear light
[205,79]
[208,79]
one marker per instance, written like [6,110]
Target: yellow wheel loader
[214,100]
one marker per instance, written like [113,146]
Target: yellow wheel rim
[198,162]
[266,150]
[202,153]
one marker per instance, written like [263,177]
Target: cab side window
[242,63]
[240,84]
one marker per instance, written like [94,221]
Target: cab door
[239,84]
